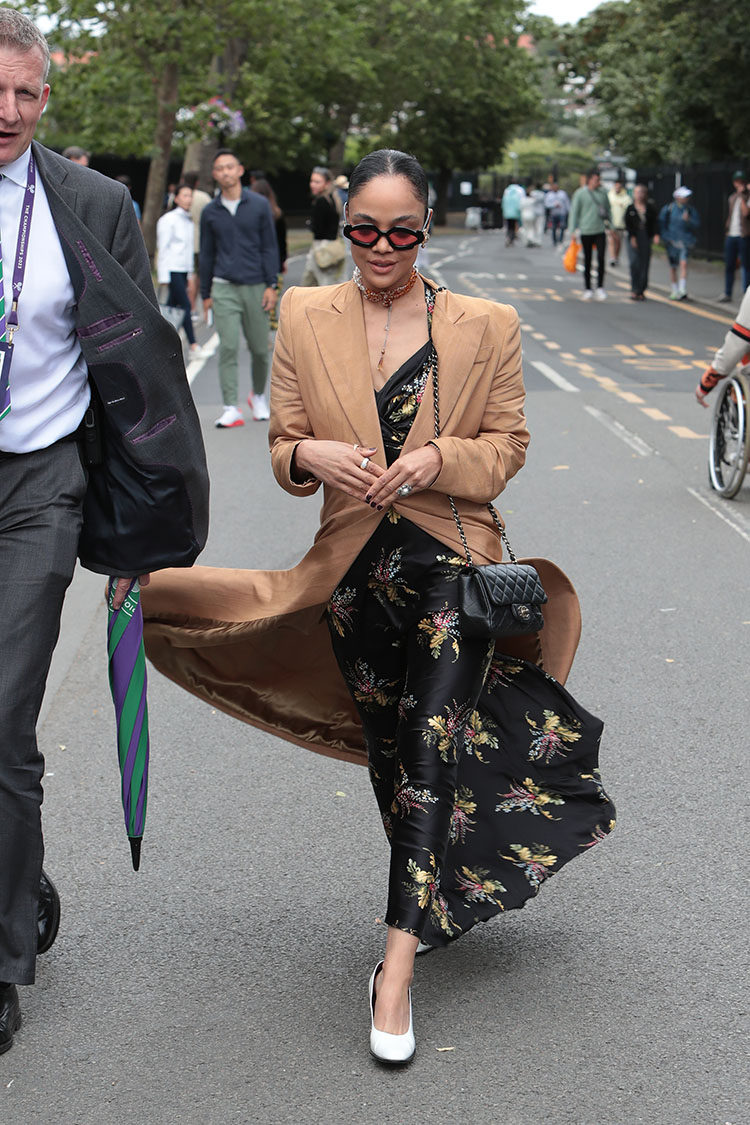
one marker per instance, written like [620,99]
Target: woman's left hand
[420,469]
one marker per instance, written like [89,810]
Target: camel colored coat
[255,643]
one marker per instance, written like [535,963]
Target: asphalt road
[226,982]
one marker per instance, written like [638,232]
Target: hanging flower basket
[213,118]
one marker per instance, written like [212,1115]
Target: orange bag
[570,257]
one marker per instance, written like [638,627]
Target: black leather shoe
[10,1016]
[49,913]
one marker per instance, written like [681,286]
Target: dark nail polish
[373,505]
[367,500]
[380,507]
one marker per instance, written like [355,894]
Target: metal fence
[711,185]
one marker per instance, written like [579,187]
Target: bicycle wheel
[729,446]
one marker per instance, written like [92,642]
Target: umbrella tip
[135,851]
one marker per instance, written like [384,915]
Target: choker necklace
[384,297]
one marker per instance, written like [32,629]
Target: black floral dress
[485,769]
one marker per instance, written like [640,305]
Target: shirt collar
[18,170]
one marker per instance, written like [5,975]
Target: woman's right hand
[338,465]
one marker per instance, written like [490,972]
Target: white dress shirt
[49,390]
[175,244]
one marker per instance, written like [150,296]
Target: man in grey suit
[101,454]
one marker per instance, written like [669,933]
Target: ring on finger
[364,462]
[405,489]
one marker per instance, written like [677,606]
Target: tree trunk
[336,150]
[157,174]
[441,202]
[199,157]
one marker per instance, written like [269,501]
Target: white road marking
[744,532]
[553,376]
[638,444]
[196,365]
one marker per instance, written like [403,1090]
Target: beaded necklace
[384,297]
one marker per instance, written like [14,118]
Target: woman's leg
[179,299]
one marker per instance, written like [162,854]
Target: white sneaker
[601,294]
[231,417]
[259,406]
[587,294]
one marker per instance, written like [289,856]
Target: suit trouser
[41,498]
[235,306]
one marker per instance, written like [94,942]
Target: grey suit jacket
[147,502]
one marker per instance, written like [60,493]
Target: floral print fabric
[485,769]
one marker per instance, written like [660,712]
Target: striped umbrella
[127,681]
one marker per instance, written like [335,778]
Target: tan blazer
[255,643]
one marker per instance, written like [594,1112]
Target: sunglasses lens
[403,238]
[364,235]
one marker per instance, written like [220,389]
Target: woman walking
[642,226]
[175,246]
[263,187]
[325,260]
[397,397]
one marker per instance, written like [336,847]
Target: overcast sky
[563,11]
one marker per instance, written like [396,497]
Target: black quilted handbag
[498,599]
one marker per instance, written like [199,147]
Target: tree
[657,89]
[125,75]
[474,101]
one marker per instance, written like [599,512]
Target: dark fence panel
[711,185]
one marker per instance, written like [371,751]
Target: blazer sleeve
[289,423]
[479,468]
[129,249]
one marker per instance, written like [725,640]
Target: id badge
[6,355]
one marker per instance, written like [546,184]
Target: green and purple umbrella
[127,681]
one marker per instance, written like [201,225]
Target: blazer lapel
[457,338]
[339,330]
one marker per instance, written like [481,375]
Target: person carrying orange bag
[570,257]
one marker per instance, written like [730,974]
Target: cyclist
[735,348]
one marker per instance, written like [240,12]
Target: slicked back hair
[390,162]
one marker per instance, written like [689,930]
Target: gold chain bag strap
[498,599]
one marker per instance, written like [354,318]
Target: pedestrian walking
[533,217]
[619,201]
[264,188]
[737,242]
[642,227]
[381,387]
[590,218]
[239,270]
[327,255]
[557,204]
[175,242]
[92,358]
[200,200]
[513,197]
[679,223]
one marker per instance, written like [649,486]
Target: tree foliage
[446,80]
[665,80]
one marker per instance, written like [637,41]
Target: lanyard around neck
[22,246]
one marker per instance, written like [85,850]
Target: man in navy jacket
[239,266]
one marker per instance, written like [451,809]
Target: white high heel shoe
[387,1048]
[423,947]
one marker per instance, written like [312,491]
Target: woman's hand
[338,465]
[420,469]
